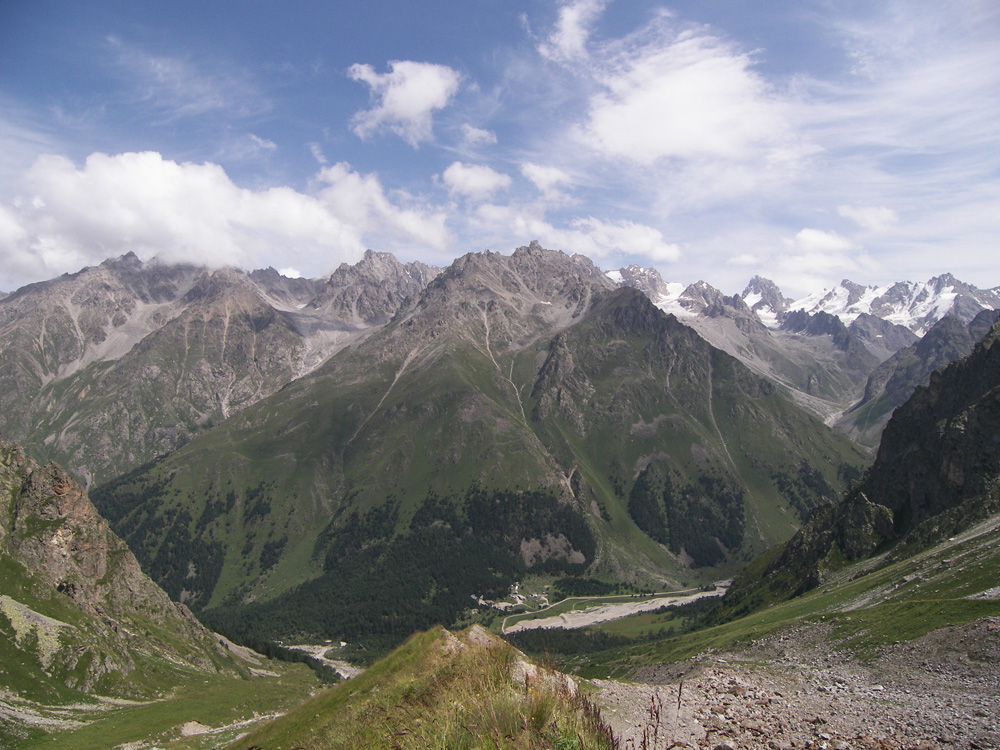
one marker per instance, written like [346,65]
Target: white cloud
[592,237]
[743,259]
[628,238]
[290,273]
[317,153]
[474,180]
[546,179]
[473,135]
[405,98]
[689,97]
[568,40]
[361,200]
[68,217]
[814,256]
[873,218]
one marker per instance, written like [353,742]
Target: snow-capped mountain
[914,305]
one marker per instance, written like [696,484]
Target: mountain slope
[937,472]
[77,615]
[892,382]
[107,368]
[519,402]
[822,367]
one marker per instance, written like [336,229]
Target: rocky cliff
[75,605]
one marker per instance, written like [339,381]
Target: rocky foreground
[941,692]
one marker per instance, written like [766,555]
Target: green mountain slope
[77,615]
[937,473]
[895,380]
[470,690]
[520,415]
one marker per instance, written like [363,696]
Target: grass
[212,700]
[432,692]
[867,608]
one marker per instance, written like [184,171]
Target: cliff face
[74,600]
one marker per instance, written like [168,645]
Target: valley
[388,450]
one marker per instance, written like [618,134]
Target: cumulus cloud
[628,238]
[873,218]
[814,256]
[474,136]
[568,40]
[67,217]
[546,179]
[405,98]
[693,97]
[361,200]
[474,180]
[589,236]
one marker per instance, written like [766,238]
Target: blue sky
[712,139]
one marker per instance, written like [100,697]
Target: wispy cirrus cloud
[568,40]
[174,88]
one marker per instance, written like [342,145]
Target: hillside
[895,380]
[78,618]
[937,473]
[520,401]
[816,359]
[439,689]
[107,368]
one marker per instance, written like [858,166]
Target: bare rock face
[52,533]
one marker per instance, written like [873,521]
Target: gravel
[940,692]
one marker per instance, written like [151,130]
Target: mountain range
[109,367]
[523,400]
[361,456]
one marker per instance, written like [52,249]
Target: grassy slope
[227,705]
[433,692]
[869,607]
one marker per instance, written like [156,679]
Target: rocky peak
[531,278]
[371,291]
[702,295]
[764,294]
[646,280]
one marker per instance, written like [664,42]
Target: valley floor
[789,690]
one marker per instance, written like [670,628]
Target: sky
[713,140]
